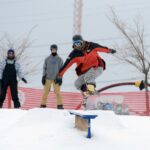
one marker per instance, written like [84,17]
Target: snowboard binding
[88,91]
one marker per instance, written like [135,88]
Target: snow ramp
[38,129]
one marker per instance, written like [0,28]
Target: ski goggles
[78,43]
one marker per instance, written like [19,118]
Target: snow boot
[91,89]
[42,106]
[60,107]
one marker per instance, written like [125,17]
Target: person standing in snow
[89,65]
[52,65]
[9,70]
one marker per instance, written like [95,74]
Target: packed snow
[45,129]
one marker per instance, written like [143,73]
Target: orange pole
[9,98]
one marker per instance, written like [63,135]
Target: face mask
[11,57]
[54,54]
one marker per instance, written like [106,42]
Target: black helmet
[77,37]
[53,46]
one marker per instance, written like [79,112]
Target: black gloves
[43,80]
[112,51]
[58,80]
[24,80]
[142,85]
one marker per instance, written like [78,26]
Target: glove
[58,80]
[43,80]
[112,51]
[24,80]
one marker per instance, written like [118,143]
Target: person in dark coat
[9,70]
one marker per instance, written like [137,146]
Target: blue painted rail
[87,117]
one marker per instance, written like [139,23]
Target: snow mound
[39,129]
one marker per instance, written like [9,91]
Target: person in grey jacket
[52,65]
[9,70]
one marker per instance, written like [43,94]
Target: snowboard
[104,102]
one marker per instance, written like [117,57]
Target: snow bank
[39,129]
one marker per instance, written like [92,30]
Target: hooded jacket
[51,66]
[85,59]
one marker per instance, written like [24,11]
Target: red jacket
[85,59]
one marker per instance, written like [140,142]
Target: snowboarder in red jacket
[89,64]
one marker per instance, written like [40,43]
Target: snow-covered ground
[45,129]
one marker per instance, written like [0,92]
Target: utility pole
[77,22]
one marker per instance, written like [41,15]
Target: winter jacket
[85,59]
[51,66]
[17,67]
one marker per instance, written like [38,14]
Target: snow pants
[47,89]
[14,92]
[88,77]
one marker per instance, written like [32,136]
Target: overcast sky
[54,21]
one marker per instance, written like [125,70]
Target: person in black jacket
[9,70]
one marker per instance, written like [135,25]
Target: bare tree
[134,49]
[20,46]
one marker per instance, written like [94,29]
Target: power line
[37,14]
[15,1]
[38,20]
[70,43]
[48,13]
